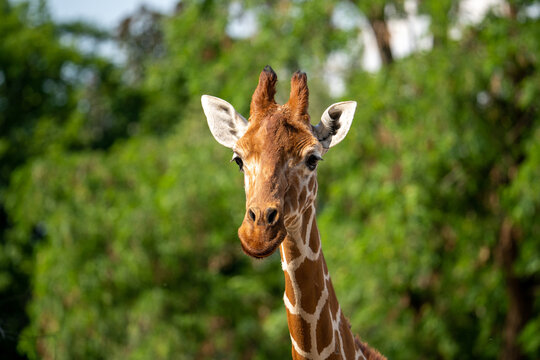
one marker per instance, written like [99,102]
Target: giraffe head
[278,151]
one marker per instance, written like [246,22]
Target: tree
[43,109]
[444,139]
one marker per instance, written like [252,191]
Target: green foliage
[142,259]
[123,210]
[441,153]
[43,109]
[32,93]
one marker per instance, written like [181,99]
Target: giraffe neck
[318,328]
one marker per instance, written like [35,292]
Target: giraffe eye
[239,162]
[312,161]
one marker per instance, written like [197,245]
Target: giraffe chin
[259,243]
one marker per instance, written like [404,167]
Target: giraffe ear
[335,123]
[225,123]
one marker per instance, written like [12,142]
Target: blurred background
[119,212]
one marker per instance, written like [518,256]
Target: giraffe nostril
[251,215]
[271,215]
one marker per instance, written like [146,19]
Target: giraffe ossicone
[278,151]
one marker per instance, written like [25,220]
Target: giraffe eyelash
[312,161]
[238,160]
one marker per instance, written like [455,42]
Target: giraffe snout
[262,230]
[268,217]
[271,215]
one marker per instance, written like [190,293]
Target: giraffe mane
[369,352]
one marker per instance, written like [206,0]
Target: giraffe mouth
[260,242]
[260,254]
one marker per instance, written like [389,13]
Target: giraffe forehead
[277,138]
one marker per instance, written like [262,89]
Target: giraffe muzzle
[262,231]
[267,217]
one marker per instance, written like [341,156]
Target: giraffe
[278,151]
